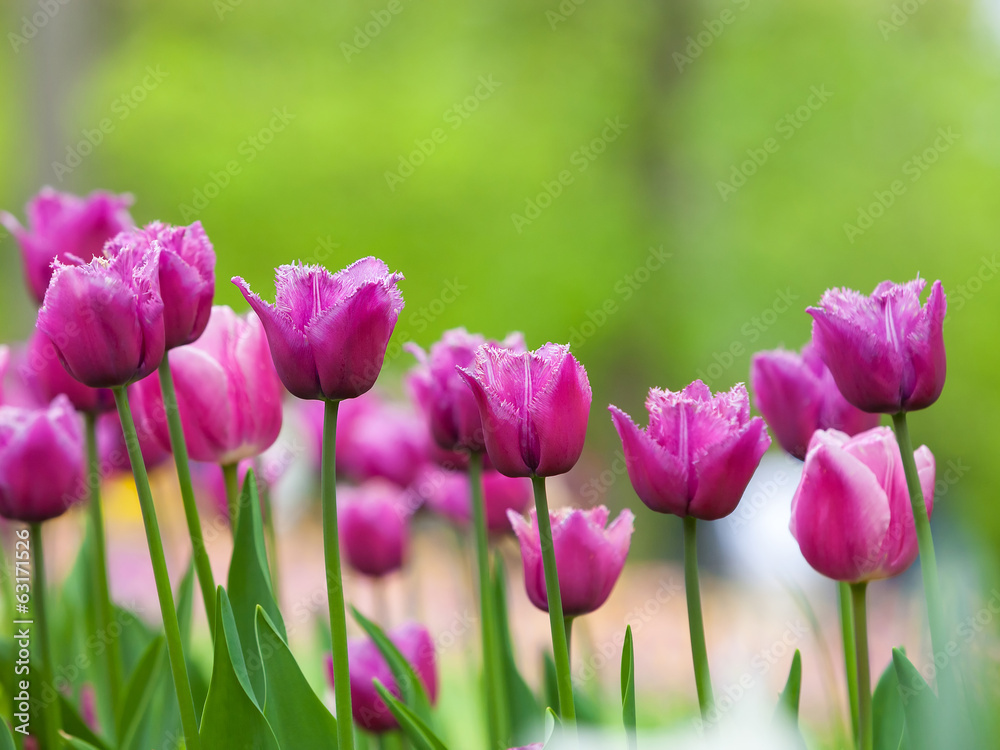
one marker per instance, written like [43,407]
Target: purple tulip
[534,407]
[447,493]
[65,227]
[46,378]
[367,665]
[797,396]
[698,453]
[374,526]
[228,393]
[851,513]
[589,557]
[886,352]
[186,272]
[328,332]
[105,318]
[442,392]
[41,461]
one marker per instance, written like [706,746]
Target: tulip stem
[231,478]
[560,647]
[105,612]
[172,631]
[865,727]
[51,721]
[699,651]
[178,444]
[496,701]
[334,580]
[850,652]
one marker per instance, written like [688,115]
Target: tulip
[368,665]
[442,393]
[186,273]
[590,557]
[886,352]
[447,493]
[328,332]
[534,407]
[374,527]
[105,318]
[65,227]
[377,438]
[797,396]
[46,378]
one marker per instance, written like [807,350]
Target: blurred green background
[525,209]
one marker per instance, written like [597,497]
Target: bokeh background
[588,171]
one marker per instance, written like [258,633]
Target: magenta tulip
[41,461]
[105,318]
[441,391]
[45,377]
[698,453]
[797,396]
[374,526]
[377,438]
[447,493]
[589,556]
[534,407]
[368,665]
[328,332]
[228,393]
[886,352]
[65,227]
[186,272]
[851,513]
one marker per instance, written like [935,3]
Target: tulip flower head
[886,352]
[797,396]
[534,408]
[851,513]
[105,318]
[374,521]
[328,332]
[45,378]
[589,557]
[698,453]
[41,461]
[67,228]
[448,494]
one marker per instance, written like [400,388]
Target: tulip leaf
[887,711]
[295,713]
[788,701]
[552,726]
[920,705]
[232,716]
[138,694]
[6,740]
[73,724]
[628,688]
[75,743]
[421,736]
[249,583]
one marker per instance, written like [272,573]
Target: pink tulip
[447,493]
[589,557]
[851,513]
[368,665]
[328,332]
[105,318]
[377,438]
[698,453]
[46,378]
[534,407]
[374,526]
[797,396]
[41,461]
[886,352]
[442,392]
[228,393]
[65,227]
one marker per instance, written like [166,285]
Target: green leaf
[628,688]
[139,693]
[6,740]
[920,706]
[249,583]
[887,711]
[788,702]
[185,606]
[550,686]
[232,716]
[421,735]
[552,726]
[74,725]
[295,713]
[75,743]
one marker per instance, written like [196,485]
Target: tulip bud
[851,512]
[698,453]
[886,352]
[328,332]
[589,557]
[45,377]
[534,407]
[448,494]
[65,227]
[374,526]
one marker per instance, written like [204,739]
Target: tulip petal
[559,413]
[925,346]
[659,478]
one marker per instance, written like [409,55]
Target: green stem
[560,648]
[99,570]
[925,542]
[866,739]
[850,652]
[202,566]
[231,477]
[334,580]
[51,720]
[171,629]
[699,651]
